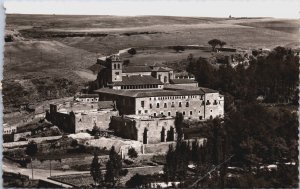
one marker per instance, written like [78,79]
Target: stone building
[79,117]
[149,97]
[145,129]
[86,98]
[193,102]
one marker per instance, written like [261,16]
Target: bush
[178,48]
[123,172]
[128,161]
[132,51]
[132,153]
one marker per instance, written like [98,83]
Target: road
[43,174]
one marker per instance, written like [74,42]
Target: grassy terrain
[50,57]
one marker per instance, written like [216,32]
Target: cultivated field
[49,55]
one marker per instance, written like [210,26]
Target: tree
[132,153]
[31,150]
[95,170]
[132,51]
[222,43]
[95,131]
[178,48]
[136,181]
[113,167]
[213,43]
[178,126]
[176,162]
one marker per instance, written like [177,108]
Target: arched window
[115,66]
[187,104]
[118,66]
[179,104]
[165,79]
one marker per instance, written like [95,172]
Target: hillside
[52,52]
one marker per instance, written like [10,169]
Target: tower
[116,68]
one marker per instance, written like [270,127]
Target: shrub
[132,51]
[132,153]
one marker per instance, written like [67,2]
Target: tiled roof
[161,69]
[105,104]
[133,69]
[88,96]
[138,80]
[149,93]
[182,81]
[182,87]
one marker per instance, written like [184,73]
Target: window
[117,73]
[210,110]
[207,102]
[118,66]
[140,111]
[169,113]
[165,79]
[115,66]
[183,113]
[172,105]
[191,112]
[200,117]
[142,104]
[150,98]
[146,111]
[150,106]
[187,104]
[215,102]
[157,105]
[161,113]
[154,114]
[179,104]
[165,105]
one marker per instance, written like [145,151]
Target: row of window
[187,104]
[139,86]
[169,113]
[88,99]
[9,131]
[176,97]
[117,66]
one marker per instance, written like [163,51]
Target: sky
[198,8]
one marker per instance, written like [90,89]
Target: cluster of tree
[113,172]
[255,135]
[178,48]
[274,76]
[132,51]
[215,42]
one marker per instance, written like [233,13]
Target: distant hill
[53,48]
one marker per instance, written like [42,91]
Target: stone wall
[17,136]
[145,130]
[214,105]
[100,119]
[191,106]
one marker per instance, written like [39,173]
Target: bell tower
[116,68]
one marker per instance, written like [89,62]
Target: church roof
[138,80]
[161,69]
[133,69]
[149,93]
[186,87]
[182,81]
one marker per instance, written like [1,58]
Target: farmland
[44,44]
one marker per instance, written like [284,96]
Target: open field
[50,56]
